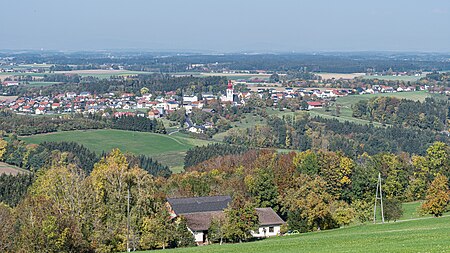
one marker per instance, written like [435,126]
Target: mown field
[169,150]
[10,169]
[422,235]
[40,84]
[395,78]
[99,73]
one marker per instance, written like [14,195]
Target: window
[271,230]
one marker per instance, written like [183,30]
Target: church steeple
[230,91]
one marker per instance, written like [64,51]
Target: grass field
[169,150]
[395,78]
[423,235]
[102,73]
[40,84]
[10,169]
[339,75]
[99,73]
[249,121]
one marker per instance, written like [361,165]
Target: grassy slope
[394,78]
[10,169]
[168,150]
[424,235]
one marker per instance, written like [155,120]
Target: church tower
[230,91]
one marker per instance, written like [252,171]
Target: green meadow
[426,234]
[167,149]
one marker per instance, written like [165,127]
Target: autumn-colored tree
[343,214]
[335,170]
[417,186]
[394,173]
[43,228]
[158,230]
[3,145]
[308,197]
[363,210]
[438,197]
[438,156]
[113,181]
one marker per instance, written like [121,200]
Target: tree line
[199,154]
[29,125]
[302,132]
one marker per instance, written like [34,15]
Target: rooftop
[199,204]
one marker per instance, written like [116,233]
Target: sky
[226,26]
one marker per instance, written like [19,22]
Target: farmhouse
[314,104]
[10,83]
[200,211]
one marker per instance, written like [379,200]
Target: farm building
[200,211]
[314,104]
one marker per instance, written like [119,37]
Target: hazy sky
[226,26]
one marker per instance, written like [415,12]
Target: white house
[190,99]
[200,211]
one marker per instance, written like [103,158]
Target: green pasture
[169,150]
[423,235]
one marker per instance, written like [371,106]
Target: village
[157,106]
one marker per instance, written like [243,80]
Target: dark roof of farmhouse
[199,204]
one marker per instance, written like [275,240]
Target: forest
[303,132]
[431,114]
[311,190]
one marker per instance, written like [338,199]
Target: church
[229,97]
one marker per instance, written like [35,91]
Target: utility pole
[128,219]
[378,196]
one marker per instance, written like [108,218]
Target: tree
[363,210]
[41,227]
[241,220]
[3,145]
[392,209]
[263,189]
[144,90]
[307,162]
[438,158]
[183,237]
[216,231]
[309,198]
[113,180]
[7,228]
[158,230]
[437,198]
[342,213]
[274,78]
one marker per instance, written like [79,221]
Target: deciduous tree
[437,198]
